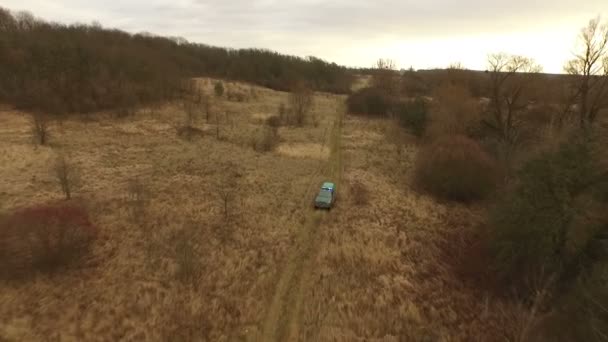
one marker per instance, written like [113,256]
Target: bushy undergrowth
[265,139]
[44,238]
[456,168]
[412,114]
[546,225]
[454,111]
[370,101]
[376,102]
[581,314]
[359,193]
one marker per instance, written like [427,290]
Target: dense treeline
[59,68]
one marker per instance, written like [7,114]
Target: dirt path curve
[283,319]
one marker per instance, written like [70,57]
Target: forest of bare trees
[58,68]
[531,148]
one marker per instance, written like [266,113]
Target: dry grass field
[130,292]
[272,269]
[381,274]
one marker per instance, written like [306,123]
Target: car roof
[329,185]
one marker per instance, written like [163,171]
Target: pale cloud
[422,34]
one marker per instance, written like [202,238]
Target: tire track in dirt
[282,321]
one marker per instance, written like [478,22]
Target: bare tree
[228,187]
[66,176]
[301,101]
[282,113]
[193,102]
[590,64]
[137,199]
[456,66]
[26,20]
[217,125]
[186,255]
[7,22]
[386,77]
[511,79]
[206,99]
[40,128]
[219,89]
[458,75]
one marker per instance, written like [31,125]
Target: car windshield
[325,193]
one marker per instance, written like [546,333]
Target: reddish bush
[44,238]
[456,168]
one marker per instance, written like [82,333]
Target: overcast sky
[421,33]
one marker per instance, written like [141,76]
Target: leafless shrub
[273,121]
[359,193]
[236,96]
[40,128]
[217,126]
[371,101]
[207,107]
[66,175]
[453,112]
[189,133]
[186,257]
[138,198]
[227,188]
[253,93]
[124,112]
[301,102]
[137,201]
[315,120]
[44,238]
[456,168]
[193,102]
[219,89]
[265,139]
[385,77]
[282,113]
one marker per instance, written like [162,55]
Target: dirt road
[282,322]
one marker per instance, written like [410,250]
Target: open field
[130,291]
[381,274]
[272,269]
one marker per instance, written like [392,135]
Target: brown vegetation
[590,89]
[385,77]
[214,241]
[44,238]
[511,84]
[61,69]
[152,191]
[359,193]
[369,101]
[300,103]
[266,139]
[40,128]
[66,176]
[456,168]
[454,111]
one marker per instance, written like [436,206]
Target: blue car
[326,197]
